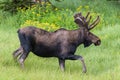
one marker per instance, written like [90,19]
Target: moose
[61,43]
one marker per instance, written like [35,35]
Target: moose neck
[78,36]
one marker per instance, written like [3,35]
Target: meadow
[102,61]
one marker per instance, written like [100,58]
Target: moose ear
[87,43]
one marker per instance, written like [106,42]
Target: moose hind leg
[25,43]
[26,50]
[22,59]
[17,53]
[76,57]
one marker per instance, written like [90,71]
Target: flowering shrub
[45,26]
[36,12]
[63,18]
[45,16]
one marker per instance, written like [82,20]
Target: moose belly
[45,51]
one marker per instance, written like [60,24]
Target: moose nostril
[98,42]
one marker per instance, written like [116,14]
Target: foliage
[59,17]
[36,12]
[63,17]
[45,26]
[12,5]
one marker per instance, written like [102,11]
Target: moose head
[83,22]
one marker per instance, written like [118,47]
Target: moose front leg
[76,57]
[62,64]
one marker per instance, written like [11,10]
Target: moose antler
[94,23]
[87,22]
[84,21]
[79,19]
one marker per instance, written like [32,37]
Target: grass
[102,62]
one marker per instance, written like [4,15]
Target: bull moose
[61,43]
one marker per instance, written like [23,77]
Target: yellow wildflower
[46,26]
[33,12]
[56,9]
[79,8]
[86,7]
[38,15]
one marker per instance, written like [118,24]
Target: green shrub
[48,14]
[12,5]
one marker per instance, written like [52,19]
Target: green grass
[102,61]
